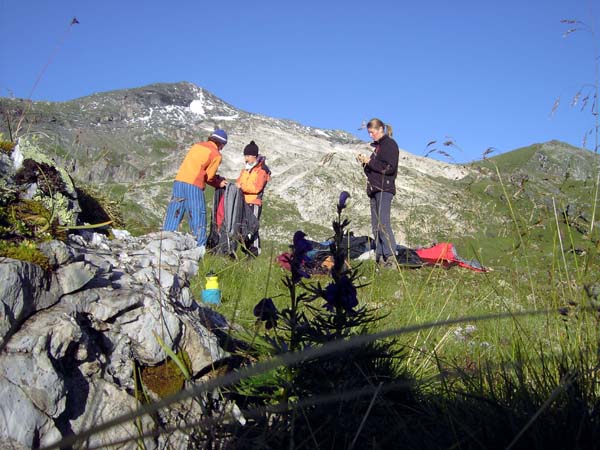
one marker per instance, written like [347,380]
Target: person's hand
[238,185]
[363,159]
[223,183]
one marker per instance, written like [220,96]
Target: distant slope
[551,159]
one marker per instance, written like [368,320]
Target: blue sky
[480,73]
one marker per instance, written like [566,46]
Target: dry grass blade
[584,102]
[433,150]
[488,151]
[569,21]
[555,106]
[446,154]
[362,423]
[41,74]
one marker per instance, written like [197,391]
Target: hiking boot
[388,264]
[252,252]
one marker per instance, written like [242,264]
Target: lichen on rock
[48,183]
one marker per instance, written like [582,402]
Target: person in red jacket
[198,169]
[252,181]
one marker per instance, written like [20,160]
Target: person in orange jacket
[252,181]
[198,169]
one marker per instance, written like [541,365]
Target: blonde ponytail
[378,123]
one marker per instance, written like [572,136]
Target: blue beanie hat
[219,136]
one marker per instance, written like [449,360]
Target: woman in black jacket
[381,169]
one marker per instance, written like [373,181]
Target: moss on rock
[24,251]
[165,379]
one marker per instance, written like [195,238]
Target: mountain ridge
[132,141]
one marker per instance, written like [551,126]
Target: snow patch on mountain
[226,118]
[197,107]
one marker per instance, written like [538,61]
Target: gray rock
[58,252]
[122,235]
[121,280]
[119,367]
[24,290]
[169,241]
[68,366]
[105,402]
[77,239]
[146,275]
[34,374]
[80,301]
[201,345]
[167,259]
[185,298]
[7,171]
[21,421]
[143,261]
[154,320]
[102,263]
[100,241]
[75,276]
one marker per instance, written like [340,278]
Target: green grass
[515,380]
[526,241]
[424,295]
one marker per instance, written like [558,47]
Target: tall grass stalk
[138,392]
[171,354]
[43,71]
[421,367]
[562,247]
[518,230]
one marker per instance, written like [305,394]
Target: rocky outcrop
[70,338]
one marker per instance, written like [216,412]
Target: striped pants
[187,198]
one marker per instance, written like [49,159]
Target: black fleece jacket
[382,167]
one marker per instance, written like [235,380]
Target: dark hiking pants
[385,243]
[252,243]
